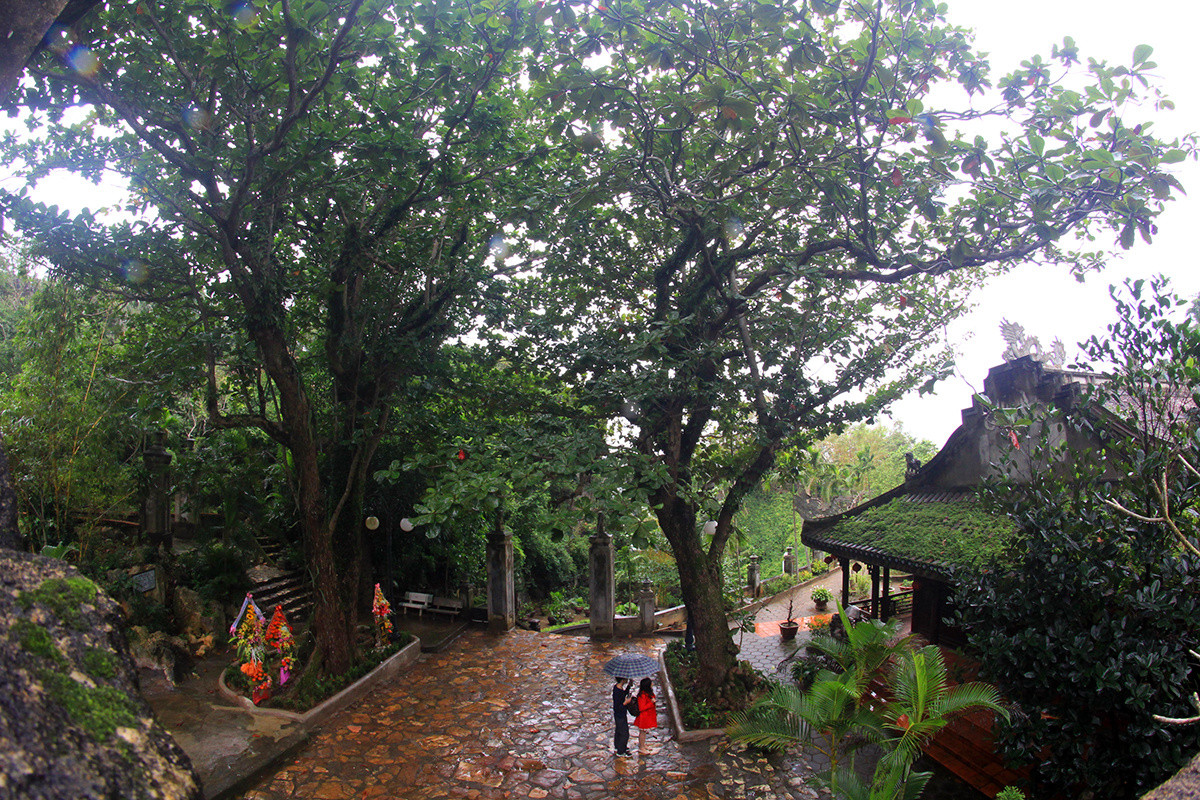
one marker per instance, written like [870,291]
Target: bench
[447,605]
[418,600]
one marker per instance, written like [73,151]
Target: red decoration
[462,455]
[898,120]
[897,176]
[1012,437]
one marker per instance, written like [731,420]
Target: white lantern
[372,523]
[406,525]
[710,527]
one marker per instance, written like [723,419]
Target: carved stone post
[753,577]
[646,607]
[602,583]
[157,510]
[501,588]
[789,562]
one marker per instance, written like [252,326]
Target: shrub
[821,595]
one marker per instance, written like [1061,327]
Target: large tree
[315,186]
[780,208]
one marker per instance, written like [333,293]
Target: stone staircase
[273,585]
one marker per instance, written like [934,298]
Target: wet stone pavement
[519,715]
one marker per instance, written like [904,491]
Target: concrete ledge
[675,716]
[387,670]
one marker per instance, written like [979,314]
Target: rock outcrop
[72,723]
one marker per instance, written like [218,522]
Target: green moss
[960,534]
[37,640]
[100,663]
[62,597]
[98,710]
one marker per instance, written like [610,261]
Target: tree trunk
[331,623]
[700,583]
[10,537]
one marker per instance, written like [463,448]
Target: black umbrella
[632,665]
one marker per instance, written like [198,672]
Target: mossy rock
[72,723]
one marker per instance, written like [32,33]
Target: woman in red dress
[647,717]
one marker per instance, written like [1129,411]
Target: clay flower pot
[788,629]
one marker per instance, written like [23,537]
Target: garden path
[519,715]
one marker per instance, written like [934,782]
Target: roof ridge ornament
[1021,344]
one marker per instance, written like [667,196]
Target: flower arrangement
[381,609]
[248,631]
[280,640]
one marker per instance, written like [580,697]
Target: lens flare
[734,228]
[244,14]
[136,272]
[197,118]
[83,61]
[498,247]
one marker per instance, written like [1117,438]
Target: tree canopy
[713,231]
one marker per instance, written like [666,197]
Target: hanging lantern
[710,527]
[371,523]
[406,525]
[829,559]
[857,567]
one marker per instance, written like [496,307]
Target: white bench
[418,600]
[447,605]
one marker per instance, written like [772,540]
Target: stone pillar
[157,509]
[646,607]
[501,589]
[789,562]
[602,598]
[753,577]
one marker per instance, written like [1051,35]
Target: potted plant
[789,627]
[821,597]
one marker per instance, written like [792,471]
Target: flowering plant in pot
[821,596]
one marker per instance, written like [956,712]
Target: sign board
[144,581]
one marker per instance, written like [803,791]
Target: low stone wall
[386,671]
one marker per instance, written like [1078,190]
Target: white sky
[1052,304]
[1047,303]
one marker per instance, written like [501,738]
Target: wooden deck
[967,746]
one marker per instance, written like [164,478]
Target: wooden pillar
[844,563]
[887,593]
[876,609]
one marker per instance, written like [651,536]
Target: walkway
[520,715]
[764,648]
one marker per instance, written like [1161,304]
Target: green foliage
[780,583]
[837,717]
[1010,793]
[962,534]
[215,570]
[698,708]
[821,595]
[1089,674]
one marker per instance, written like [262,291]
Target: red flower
[462,455]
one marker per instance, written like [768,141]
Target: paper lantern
[372,523]
[710,527]
[406,525]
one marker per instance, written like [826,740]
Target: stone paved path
[521,715]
